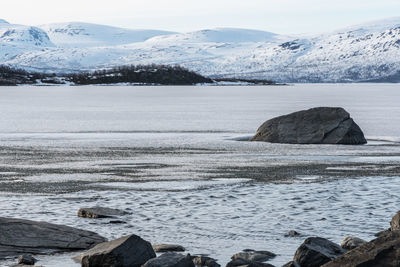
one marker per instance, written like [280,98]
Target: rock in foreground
[127,251]
[316,251]
[29,237]
[383,251]
[322,125]
[171,259]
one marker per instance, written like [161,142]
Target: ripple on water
[225,218]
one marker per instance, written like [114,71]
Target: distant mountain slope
[79,34]
[219,35]
[23,35]
[367,52]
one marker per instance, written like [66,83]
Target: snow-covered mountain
[367,52]
[23,35]
[218,35]
[79,34]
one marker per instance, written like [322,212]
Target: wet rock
[204,261]
[170,259]
[26,259]
[249,257]
[291,264]
[252,255]
[395,223]
[316,251]
[99,212]
[127,251]
[382,232]
[292,233]
[29,237]
[244,263]
[167,248]
[383,251]
[322,125]
[351,242]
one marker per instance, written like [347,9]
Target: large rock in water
[383,251]
[127,251]
[315,251]
[322,125]
[29,237]
[171,259]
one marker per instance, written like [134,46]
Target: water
[170,157]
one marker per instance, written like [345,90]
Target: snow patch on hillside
[79,34]
[219,35]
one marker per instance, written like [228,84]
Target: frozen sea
[174,158]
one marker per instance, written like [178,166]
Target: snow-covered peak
[219,35]
[372,26]
[23,35]
[80,34]
[2,21]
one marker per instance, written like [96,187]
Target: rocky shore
[24,238]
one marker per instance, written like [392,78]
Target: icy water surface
[170,156]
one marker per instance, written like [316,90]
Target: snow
[219,35]
[80,34]
[359,53]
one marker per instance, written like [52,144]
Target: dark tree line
[140,74]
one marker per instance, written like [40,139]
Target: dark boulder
[316,251]
[26,259]
[322,125]
[29,237]
[383,251]
[167,248]
[351,242]
[249,257]
[204,261]
[291,264]
[170,259]
[253,255]
[99,212]
[127,251]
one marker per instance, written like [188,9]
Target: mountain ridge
[365,52]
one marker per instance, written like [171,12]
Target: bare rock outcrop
[322,125]
[19,236]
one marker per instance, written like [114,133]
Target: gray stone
[127,251]
[316,251]
[382,251]
[252,255]
[170,259]
[249,257]
[395,222]
[291,264]
[29,237]
[99,212]
[244,263]
[351,242]
[204,261]
[167,248]
[322,125]
[26,259]
[292,233]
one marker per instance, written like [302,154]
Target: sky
[279,16]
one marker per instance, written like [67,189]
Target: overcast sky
[280,16]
